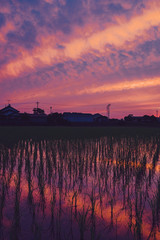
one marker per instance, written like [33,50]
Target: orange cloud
[4,30]
[122,86]
[116,35]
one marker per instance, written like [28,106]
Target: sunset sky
[80,55]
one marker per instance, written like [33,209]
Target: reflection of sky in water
[80,189]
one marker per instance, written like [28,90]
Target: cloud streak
[122,86]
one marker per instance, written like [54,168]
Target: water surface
[104,187]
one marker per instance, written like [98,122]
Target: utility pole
[37,104]
[157,113]
[108,110]
[50,109]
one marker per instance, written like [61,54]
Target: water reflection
[80,189]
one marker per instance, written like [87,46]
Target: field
[79,183]
[10,133]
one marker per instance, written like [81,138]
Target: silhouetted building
[9,112]
[75,117]
[98,118]
[56,119]
[131,118]
[141,119]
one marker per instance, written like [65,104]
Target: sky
[80,55]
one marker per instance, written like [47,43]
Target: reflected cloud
[88,187]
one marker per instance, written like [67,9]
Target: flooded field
[94,187]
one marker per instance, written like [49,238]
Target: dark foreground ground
[51,131]
[12,134]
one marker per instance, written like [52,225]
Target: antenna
[108,110]
[157,113]
[50,109]
[37,103]
[8,101]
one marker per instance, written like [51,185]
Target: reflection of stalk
[13,162]
[155,160]
[41,185]
[153,228]
[53,202]
[158,203]
[154,204]
[59,213]
[111,203]
[82,220]
[73,204]
[16,220]
[2,203]
[139,207]
[35,157]
[130,214]
[48,162]
[93,200]
[29,179]
[5,161]
[100,197]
